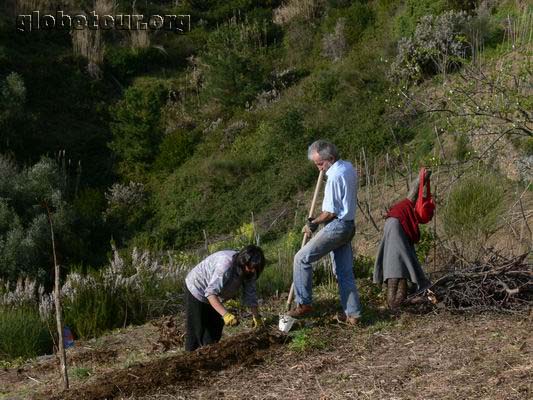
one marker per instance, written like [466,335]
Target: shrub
[306,339]
[414,10]
[298,43]
[175,148]
[126,292]
[426,243]
[277,276]
[473,212]
[334,44]
[437,45]
[364,267]
[324,87]
[462,148]
[136,127]
[237,63]
[12,104]
[125,62]
[354,18]
[23,333]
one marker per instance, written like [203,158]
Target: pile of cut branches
[499,284]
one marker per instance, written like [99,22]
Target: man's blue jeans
[335,238]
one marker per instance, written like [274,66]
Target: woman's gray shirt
[216,275]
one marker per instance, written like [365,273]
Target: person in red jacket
[396,261]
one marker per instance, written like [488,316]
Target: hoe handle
[304,240]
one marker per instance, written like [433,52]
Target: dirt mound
[170,334]
[243,349]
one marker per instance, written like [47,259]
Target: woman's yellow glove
[230,319]
[258,322]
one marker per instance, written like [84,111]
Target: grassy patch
[23,334]
[306,339]
[81,373]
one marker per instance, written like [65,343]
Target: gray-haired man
[338,214]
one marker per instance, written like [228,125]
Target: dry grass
[105,7]
[89,44]
[139,39]
[293,9]
[334,44]
[27,6]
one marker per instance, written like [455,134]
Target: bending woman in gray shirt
[214,280]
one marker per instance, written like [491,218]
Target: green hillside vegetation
[187,143]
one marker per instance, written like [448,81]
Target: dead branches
[496,285]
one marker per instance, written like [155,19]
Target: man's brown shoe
[344,319]
[352,320]
[301,310]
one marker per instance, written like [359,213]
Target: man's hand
[230,319]
[257,322]
[310,227]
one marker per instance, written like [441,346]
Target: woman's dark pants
[204,325]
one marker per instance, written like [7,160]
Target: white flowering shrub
[128,291]
[438,45]
[126,206]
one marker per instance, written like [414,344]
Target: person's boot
[392,289]
[401,293]
[301,310]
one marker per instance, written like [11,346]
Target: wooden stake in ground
[57,300]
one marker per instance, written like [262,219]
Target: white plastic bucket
[285,323]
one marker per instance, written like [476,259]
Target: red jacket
[404,211]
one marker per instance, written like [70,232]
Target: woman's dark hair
[253,256]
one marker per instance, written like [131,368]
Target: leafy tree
[12,101]
[136,127]
[25,247]
[237,63]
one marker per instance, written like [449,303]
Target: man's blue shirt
[340,194]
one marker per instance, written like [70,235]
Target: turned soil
[434,356]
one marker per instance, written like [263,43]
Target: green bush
[426,243]
[473,211]
[23,333]
[238,63]
[357,16]
[277,276]
[364,267]
[306,339]
[437,45]
[414,10]
[137,129]
[126,63]
[462,148]
[215,12]
[324,87]
[175,148]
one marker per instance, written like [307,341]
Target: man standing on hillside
[338,214]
